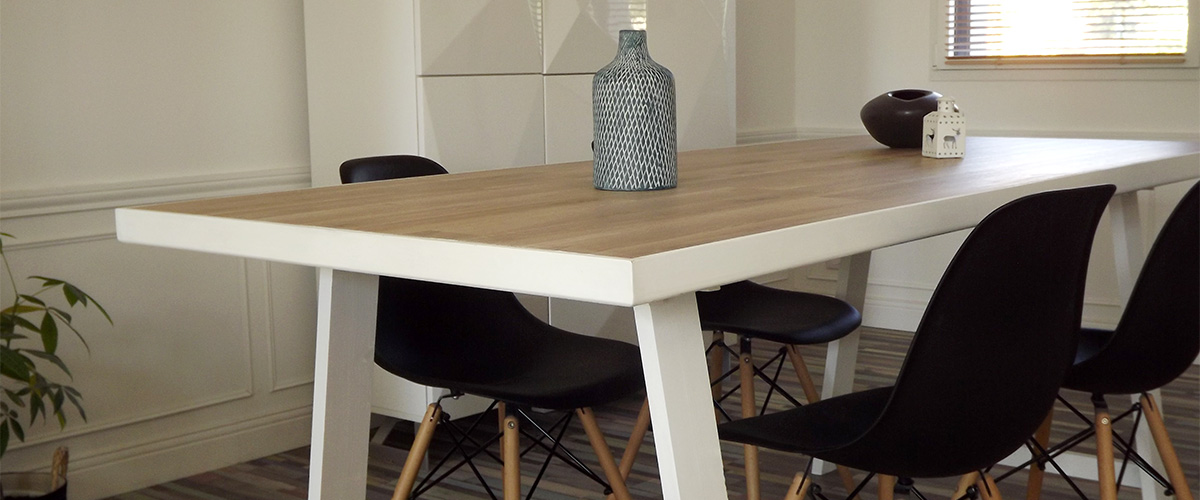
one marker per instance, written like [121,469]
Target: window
[1099,32]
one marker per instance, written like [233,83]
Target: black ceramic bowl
[896,118]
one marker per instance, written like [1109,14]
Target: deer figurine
[951,141]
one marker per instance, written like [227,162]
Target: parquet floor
[284,476]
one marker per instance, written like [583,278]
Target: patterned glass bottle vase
[633,118]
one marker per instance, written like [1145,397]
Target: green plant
[29,331]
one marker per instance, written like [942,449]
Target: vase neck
[632,46]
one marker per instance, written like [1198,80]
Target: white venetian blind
[1126,31]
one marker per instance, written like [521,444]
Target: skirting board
[155,463]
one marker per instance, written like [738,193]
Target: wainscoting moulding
[83,214]
[48,201]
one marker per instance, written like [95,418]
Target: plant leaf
[65,316]
[51,358]
[78,335]
[48,282]
[14,365]
[74,396]
[58,400]
[49,333]
[17,429]
[86,299]
[35,300]
[70,293]
[20,309]
[26,324]
[36,406]
[15,398]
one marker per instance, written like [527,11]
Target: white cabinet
[477,37]
[483,84]
[482,122]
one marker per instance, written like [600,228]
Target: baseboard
[158,462]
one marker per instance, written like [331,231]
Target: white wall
[839,55]
[124,102]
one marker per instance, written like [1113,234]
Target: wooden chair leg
[749,409]
[1033,487]
[799,487]
[887,486]
[811,394]
[965,481]
[635,440]
[501,412]
[802,373]
[1107,474]
[603,454]
[1162,441]
[416,454]
[987,488]
[511,453]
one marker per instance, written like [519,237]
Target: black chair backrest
[432,333]
[997,337]
[378,168]
[1158,336]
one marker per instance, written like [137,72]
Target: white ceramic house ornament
[945,131]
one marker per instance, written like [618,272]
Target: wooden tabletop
[722,194]
[738,212]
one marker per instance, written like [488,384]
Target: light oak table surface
[737,213]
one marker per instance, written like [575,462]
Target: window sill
[1012,72]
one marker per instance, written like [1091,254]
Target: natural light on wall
[1016,31]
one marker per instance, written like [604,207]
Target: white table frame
[659,286]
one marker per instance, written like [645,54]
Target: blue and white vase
[633,118]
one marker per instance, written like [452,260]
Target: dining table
[737,213]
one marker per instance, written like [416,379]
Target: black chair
[485,343]
[790,318]
[1156,340]
[985,363]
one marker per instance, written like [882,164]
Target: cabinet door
[580,36]
[478,37]
[568,118]
[482,122]
[695,40]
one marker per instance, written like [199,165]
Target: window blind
[994,31]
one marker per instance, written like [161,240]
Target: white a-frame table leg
[1129,250]
[685,429]
[841,357]
[342,385]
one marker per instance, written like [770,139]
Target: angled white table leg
[841,356]
[685,430]
[1129,250]
[342,386]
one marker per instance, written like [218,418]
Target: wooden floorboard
[284,476]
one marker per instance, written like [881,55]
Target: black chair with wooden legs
[985,363]
[1155,341]
[485,343]
[789,318]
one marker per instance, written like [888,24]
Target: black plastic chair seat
[813,428]
[430,333]
[784,316]
[985,363]
[588,372]
[1091,342]
[1158,336]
